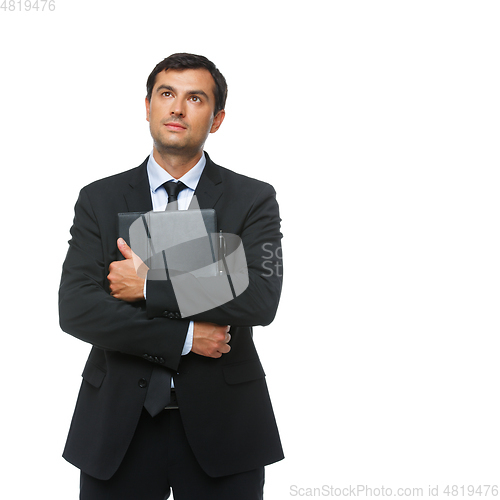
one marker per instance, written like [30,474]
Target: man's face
[181,111]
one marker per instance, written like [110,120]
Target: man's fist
[210,340]
[124,281]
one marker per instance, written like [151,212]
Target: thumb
[124,249]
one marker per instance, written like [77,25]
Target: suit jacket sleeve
[87,310]
[257,305]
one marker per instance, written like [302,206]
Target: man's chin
[172,147]
[178,149]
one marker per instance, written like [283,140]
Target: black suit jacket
[224,403]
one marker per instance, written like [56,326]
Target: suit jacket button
[143,383]
[161,360]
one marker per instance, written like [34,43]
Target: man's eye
[166,93]
[195,98]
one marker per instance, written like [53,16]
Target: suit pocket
[93,374]
[245,371]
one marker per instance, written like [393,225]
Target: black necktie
[173,189]
[159,388]
[160,384]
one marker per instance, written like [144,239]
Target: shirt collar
[158,176]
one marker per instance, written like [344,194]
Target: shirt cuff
[188,343]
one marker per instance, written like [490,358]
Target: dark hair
[191,61]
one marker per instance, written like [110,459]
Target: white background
[378,124]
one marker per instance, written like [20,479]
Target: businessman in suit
[217,429]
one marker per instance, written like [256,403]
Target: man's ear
[147,109]
[219,118]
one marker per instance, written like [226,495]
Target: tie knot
[173,189]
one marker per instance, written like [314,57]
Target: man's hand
[210,340]
[126,277]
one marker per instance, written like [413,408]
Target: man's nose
[178,108]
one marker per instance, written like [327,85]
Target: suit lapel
[210,187]
[138,198]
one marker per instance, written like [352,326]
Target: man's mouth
[175,126]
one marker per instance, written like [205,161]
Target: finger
[125,250]
[140,268]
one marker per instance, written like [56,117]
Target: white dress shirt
[157,177]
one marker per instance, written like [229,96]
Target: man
[217,430]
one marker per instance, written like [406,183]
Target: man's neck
[175,165]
